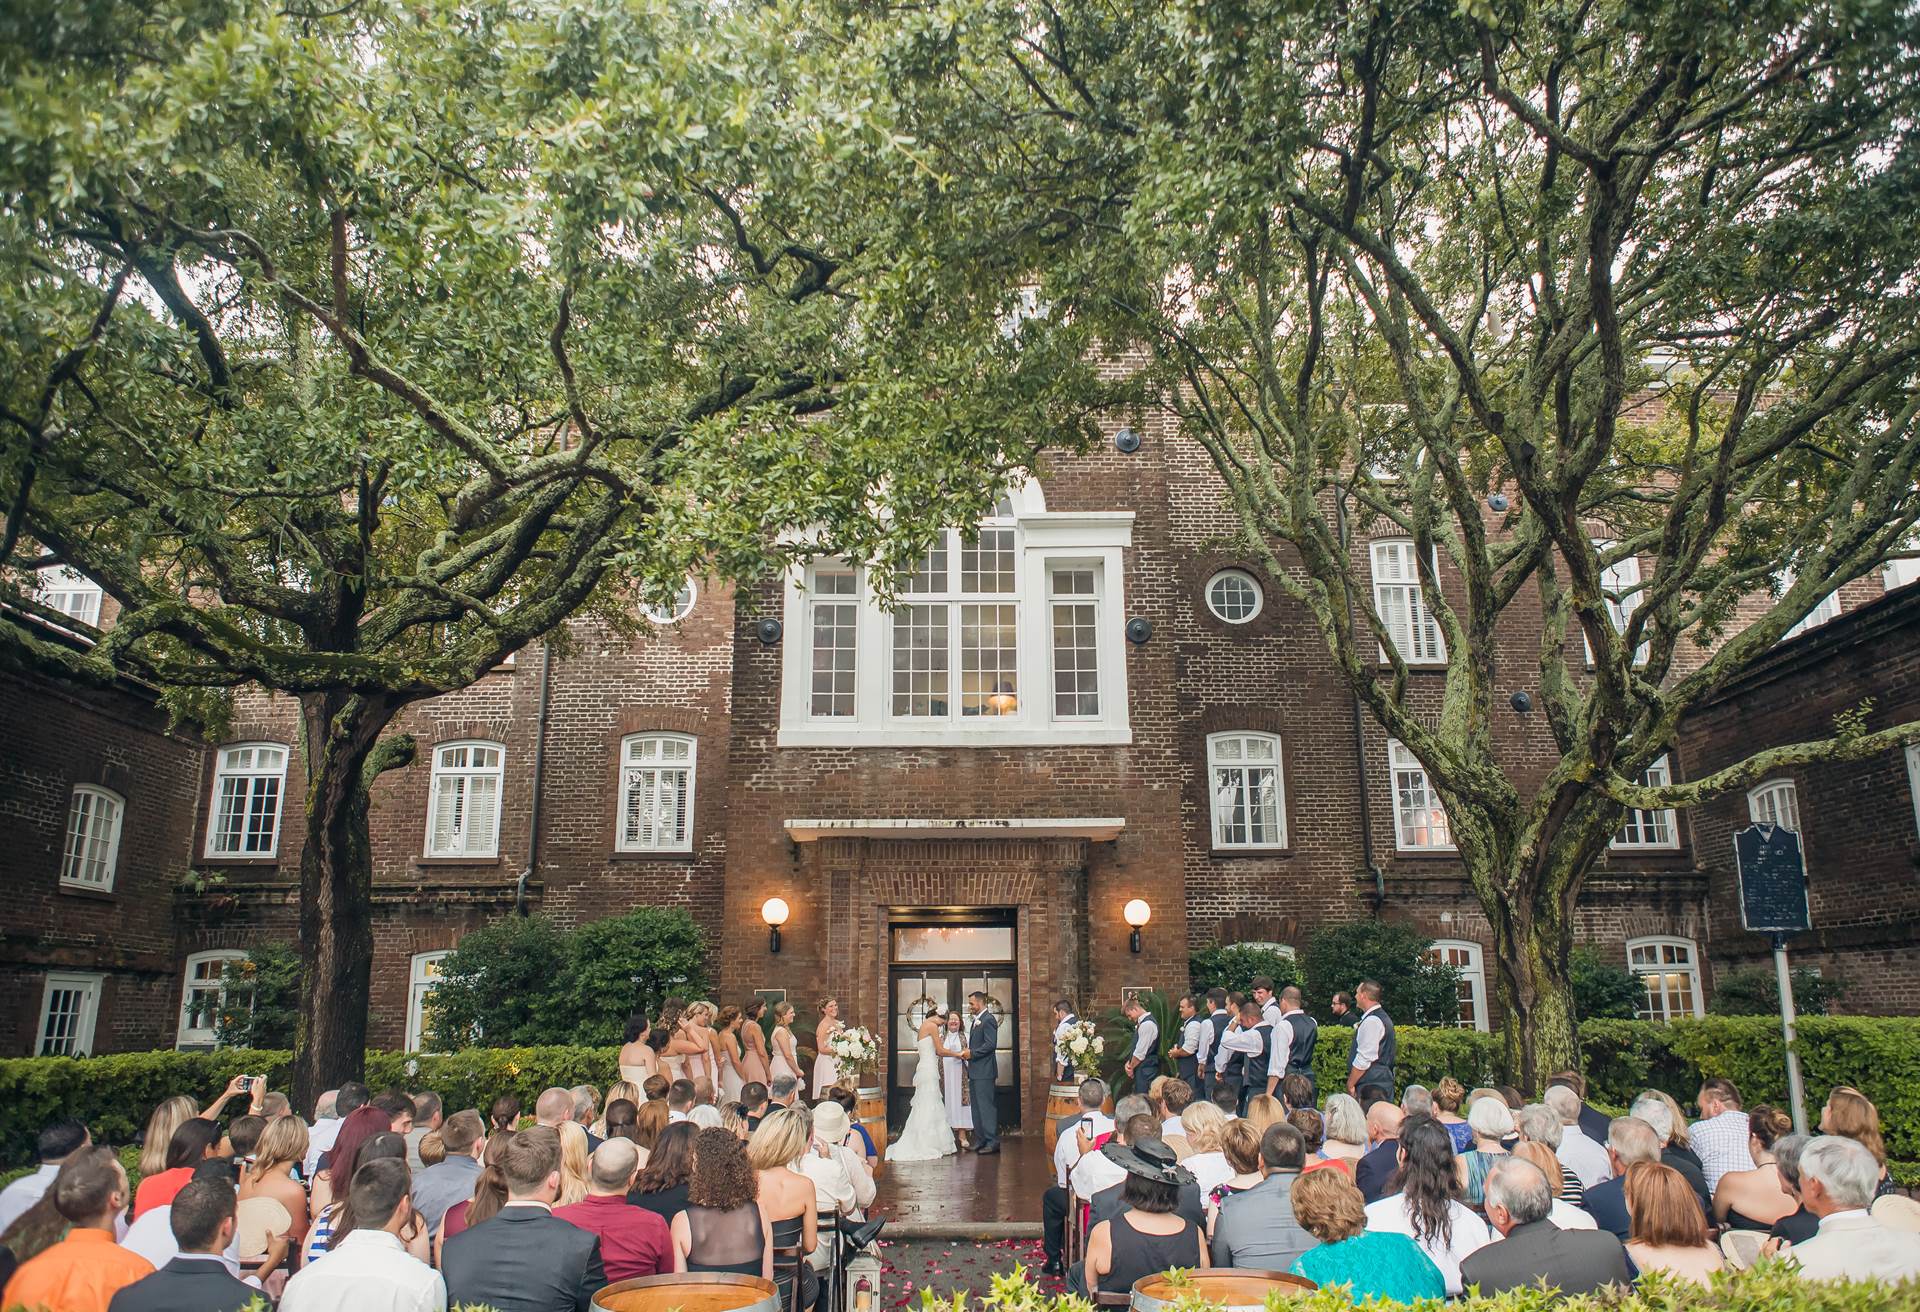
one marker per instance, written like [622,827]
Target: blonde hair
[1852,1115]
[1542,1156]
[167,1117]
[1263,1110]
[780,1140]
[284,1140]
[1203,1122]
[573,1164]
[615,1092]
[1449,1094]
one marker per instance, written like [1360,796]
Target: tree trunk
[344,753]
[1533,951]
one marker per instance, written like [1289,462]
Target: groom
[982,1040]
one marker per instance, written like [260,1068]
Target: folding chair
[1072,1248]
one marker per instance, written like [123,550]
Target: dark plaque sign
[1773,880]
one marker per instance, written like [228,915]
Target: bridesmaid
[688,1050]
[665,1030]
[786,1059]
[826,1071]
[728,1055]
[638,1060]
[755,1064]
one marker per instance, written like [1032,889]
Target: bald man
[633,1241]
[1373,1171]
[553,1108]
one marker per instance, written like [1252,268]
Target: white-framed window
[1248,794]
[1826,610]
[1007,633]
[1620,593]
[1913,781]
[1775,802]
[70,592]
[1902,570]
[1234,596]
[682,606]
[1420,821]
[93,838]
[463,808]
[1669,971]
[248,781]
[423,977]
[1650,830]
[656,792]
[68,1009]
[202,995]
[1397,596]
[1464,956]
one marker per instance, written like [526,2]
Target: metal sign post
[1773,900]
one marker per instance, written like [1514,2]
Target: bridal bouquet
[1080,1045]
[854,1049]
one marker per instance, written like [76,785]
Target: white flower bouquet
[854,1049]
[1080,1046]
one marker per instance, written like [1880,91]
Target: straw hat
[830,1124]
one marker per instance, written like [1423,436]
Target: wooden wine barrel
[872,1107]
[1234,1290]
[1063,1109]
[695,1291]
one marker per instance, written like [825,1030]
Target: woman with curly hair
[1447,1097]
[1425,1205]
[723,1228]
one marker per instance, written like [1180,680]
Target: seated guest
[1415,1100]
[437,1188]
[1096,1172]
[753,1095]
[1256,1228]
[399,1109]
[1579,1154]
[1719,1137]
[553,1108]
[1629,1142]
[504,1115]
[856,1138]
[1448,1095]
[367,1266]
[654,1087]
[1148,1235]
[433,1149]
[85,1270]
[152,1235]
[1425,1205]
[662,1186]
[1661,1112]
[1296,1092]
[1240,1145]
[199,1277]
[787,1196]
[380,1147]
[526,1259]
[1111,1201]
[1382,1159]
[243,1137]
[574,1155]
[1668,1232]
[681,1100]
[1203,1123]
[489,1195]
[723,1228]
[1533,1248]
[633,1241]
[1799,1225]
[1539,1123]
[1313,1136]
[275,1105]
[622,1120]
[428,1116]
[338,1163]
[781,1091]
[586,1110]
[1563,1213]
[1491,1121]
[1066,1155]
[1346,1129]
[1594,1123]
[833,1157]
[1174,1097]
[1264,1110]
[648,1124]
[192,1143]
[733,1119]
[1369,1263]
[1838,1180]
[1850,1114]
[58,1142]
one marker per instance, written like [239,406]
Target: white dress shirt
[1366,1051]
[1282,1046]
[1246,1042]
[839,1183]
[1469,1234]
[1270,1014]
[1066,1152]
[320,1139]
[1172,1126]
[366,1271]
[1093,1173]
[152,1237]
[1147,1034]
[1851,1245]
[1190,1033]
[1205,1051]
[1583,1157]
[23,1193]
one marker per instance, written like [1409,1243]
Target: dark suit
[1683,1161]
[524,1260]
[186,1284]
[1572,1261]
[1606,1203]
[1595,1124]
[982,1040]
[1373,1171]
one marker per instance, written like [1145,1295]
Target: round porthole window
[682,606]
[1233,596]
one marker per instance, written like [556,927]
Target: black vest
[1188,1066]
[1219,1022]
[1381,1072]
[1257,1064]
[1306,1033]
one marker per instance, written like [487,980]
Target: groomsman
[1214,1026]
[1242,1061]
[1269,1005]
[1144,1064]
[1186,1053]
[1375,1046]
[1279,1035]
[1306,1033]
[1063,1020]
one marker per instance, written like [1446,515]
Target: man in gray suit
[982,1041]
[1534,1248]
[1256,1229]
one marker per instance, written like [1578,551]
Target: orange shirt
[81,1273]
[160,1190]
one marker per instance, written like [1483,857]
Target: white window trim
[1902,571]
[1396,750]
[1663,766]
[220,772]
[63,580]
[1279,789]
[89,984]
[113,839]
[1043,541]
[1259,595]
[1474,972]
[1825,611]
[1692,970]
[661,618]
[1419,597]
[188,1036]
[1755,795]
[491,849]
[1913,781]
[417,991]
[620,843]
[1621,576]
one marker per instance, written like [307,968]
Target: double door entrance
[938,959]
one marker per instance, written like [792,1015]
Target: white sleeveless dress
[927,1136]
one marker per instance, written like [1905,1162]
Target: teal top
[1376,1264]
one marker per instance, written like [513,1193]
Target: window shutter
[446,816]
[483,814]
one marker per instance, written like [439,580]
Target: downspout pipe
[1378,896]
[539,771]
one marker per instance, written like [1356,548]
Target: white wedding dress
[927,1135]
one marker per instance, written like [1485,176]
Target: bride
[927,1135]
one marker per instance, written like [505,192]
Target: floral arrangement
[854,1049]
[1080,1045]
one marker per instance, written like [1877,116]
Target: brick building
[963,792]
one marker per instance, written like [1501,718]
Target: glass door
[935,967]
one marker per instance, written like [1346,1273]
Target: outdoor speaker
[1126,441]
[769,631]
[1139,629]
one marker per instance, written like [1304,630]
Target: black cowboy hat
[1151,1160]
